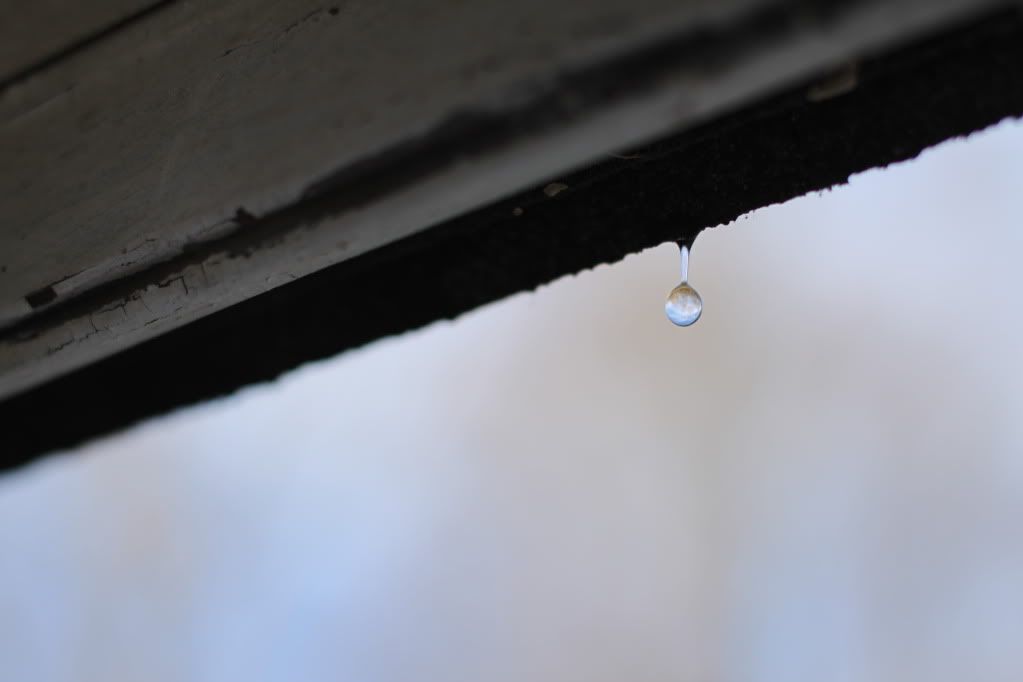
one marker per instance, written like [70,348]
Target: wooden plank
[810,136]
[175,168]
[40,32]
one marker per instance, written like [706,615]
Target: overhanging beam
[794,130]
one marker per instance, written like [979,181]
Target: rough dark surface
[772,151]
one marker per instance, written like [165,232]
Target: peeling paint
[554,189]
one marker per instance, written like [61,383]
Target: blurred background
[821,480]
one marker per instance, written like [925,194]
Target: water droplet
[684,305]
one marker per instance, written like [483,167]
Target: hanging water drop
[684,305]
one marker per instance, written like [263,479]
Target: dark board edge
[771,151]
